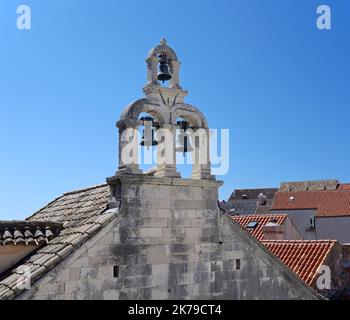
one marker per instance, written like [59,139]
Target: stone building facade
[170,242]
[319,209]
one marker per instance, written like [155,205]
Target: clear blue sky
[260,68]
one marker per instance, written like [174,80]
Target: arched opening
[165,70]
[170,64]
[147,141]
[184,146]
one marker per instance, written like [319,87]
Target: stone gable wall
[170,242]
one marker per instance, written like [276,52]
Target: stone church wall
[170,242]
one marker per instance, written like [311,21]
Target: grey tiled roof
[252,194]
[315,185]
[245,201]
[239,207]
[82,213]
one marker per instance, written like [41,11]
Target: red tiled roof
[326,203]
[344,186]
[261,219]
[302,256]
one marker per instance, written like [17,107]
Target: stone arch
[190,113]
[200,169]
[152,63]
[128,126]
[133,111]
[162,48]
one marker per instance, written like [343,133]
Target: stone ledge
[144,179]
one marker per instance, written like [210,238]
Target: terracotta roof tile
[28,232]
[302,256]
[262,220]
[344,186]
[326,203]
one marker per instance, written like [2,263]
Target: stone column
[201,160]
[175,80]
[167,144]
[152,71]
[128,142]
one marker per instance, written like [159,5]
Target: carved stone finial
[163,41]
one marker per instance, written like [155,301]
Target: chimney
[262,200]
[273,231]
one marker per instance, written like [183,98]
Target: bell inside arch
[147,139]
[163,74]
[184,139]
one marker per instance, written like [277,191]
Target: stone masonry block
[111,295]
[150,232]
[74,274]
[193,233]
[180,222]
[81,262]
[160,279]
[64,296]
[158,254]
[160,292]
[162,268]
[179,258]
[107,239]
[72,286]
[190,204]
[137,282]
[164,192]
[57,287]
[88,273]
[163,203]
[99,250]
[184,193]
[197,193]
[104,272]
[150,222]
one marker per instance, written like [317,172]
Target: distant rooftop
[252,194]
[326,203]
[304,257]
[328,197]
[261,221]
[315,185]
[250,201]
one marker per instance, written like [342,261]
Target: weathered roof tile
[21,232]
[82,213]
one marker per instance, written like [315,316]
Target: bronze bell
[148,132]
[183,139]
[163,74]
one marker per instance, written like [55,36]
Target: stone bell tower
[164,214]
[165,104]
[170,240]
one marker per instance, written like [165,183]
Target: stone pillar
[128,142]
[201,160]
[152,72]
[166,165]
[175,80]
